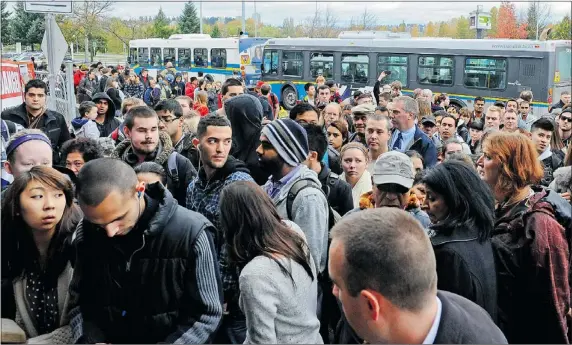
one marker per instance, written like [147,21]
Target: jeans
[232,330]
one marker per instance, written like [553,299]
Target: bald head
[387,250]
[99,177]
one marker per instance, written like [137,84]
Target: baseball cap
[428,119]
[259,84]
[364,109]
[393,167]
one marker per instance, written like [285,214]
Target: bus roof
[422,43]
[197,42]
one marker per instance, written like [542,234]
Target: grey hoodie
[309,212]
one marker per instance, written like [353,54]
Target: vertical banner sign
[12,86]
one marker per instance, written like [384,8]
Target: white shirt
[430,338]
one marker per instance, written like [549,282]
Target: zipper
[128,266]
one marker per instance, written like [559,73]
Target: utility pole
[243,17]
[255,21]
[201,15]
[536,10]
[479,31]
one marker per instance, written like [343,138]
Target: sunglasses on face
[565,118]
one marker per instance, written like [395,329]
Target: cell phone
[387,72]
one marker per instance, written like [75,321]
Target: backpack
[173,171]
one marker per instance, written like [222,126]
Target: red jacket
[202,109]
[190,90]
[77,77]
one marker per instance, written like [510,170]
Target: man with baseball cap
[429,125]
[393,176]
[360,114]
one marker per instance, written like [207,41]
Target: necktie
[397,145]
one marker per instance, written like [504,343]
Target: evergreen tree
[562,30]
[463,28]
[5,19]
[189,22]
[161,27]
[27,28]
[216,32]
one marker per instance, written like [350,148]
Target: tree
[27,28]
[431,30]
[562,30]
[365,21]
[494,22]
[415,30]
[189,22]
[507,26]
[442,30]
[402,27]
[161,27]
[288,27]
[5,19]
[463,28]
[537,18]
[88,17]
[216,32]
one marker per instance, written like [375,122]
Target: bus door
[562,74]
[529,73]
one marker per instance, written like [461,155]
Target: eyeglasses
[565,118]
[166,120]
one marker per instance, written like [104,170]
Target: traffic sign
[54,46]
[48,6]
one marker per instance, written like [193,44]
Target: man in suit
[407,136]
[393,299]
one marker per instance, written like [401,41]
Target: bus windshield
[564,62]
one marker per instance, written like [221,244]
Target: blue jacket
[424,146]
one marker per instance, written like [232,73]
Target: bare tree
[537,17]
[329,28]
[365,21]
[288,27]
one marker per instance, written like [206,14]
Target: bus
[464,69]
[220,58]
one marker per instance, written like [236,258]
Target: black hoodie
[245,115]
[110,123]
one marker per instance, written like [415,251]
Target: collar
[459,234]
[546,154]
[430,338]
[410,131]
[284,180]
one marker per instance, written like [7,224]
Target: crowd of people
[158,216]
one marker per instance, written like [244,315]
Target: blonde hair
[202,97]
[354,145]
[191,122]
[130,102]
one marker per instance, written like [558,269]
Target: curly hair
[89,149]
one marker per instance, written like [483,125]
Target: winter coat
[562,182]
[178,88]
[110,123]
[334,160]
[532,259]
[84,128]
[309,211]
[134,89]
[362,186]
[550,164]
[52,123]
[462,322]
[245,115]
[466,267]
[88,87]
[177,185]
[424,146]
[165,289]
[338,191]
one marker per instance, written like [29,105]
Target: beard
[272,165]
[145,147]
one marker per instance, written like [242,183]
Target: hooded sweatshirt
[245,115]
[84,128]
[177,185]
[110,122]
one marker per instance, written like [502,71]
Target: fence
[62,98]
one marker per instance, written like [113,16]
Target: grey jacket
[61,335]
[309,212]
[562,182]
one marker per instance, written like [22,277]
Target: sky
[275,11]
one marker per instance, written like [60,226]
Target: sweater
[277,310]
[362,186]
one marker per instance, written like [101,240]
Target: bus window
[397,64]
[292,64]
[201,57]
[322,64]
[143,56]
[133,55]
[487,73]
[271,62]
[355,68]
[563,64]
[168,55]
[218,58]
[435,70]
[156,57]
[185,57]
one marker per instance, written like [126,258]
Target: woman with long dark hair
[38,219]
[278,280]
[531,246]
[461,208]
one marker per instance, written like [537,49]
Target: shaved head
[99,177]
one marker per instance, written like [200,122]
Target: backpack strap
[172,166]
[296,188]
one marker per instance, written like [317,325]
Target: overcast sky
[275,11]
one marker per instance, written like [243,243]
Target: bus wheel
[289,97]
